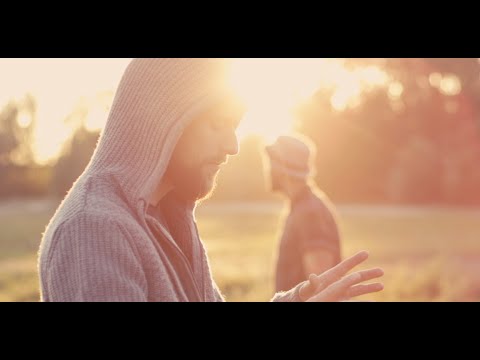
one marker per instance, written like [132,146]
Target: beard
[193,183]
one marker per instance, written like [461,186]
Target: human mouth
[213,167]
[216,163]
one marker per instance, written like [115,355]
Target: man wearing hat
[310,243]
[126,231]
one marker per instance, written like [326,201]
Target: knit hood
[101,245]
[154,103]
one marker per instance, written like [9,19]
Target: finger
[339,289]
[370,274]
[343,285]
[313,282]
[308,288]
[359,290]
[324,280]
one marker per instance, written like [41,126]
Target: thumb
[308,287]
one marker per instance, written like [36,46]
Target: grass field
[428,254]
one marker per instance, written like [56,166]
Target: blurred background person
[398,148]
[310,240]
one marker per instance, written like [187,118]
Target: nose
[230,143]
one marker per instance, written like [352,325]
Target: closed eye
[225,123]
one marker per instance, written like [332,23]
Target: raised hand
[335,285]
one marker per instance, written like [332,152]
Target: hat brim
[278,165]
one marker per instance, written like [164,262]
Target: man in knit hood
[126,230]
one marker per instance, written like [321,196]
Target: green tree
[17,123]
[420,147]
[71,164]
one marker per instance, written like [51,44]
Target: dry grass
[428,254]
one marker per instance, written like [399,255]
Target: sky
[58,85]
[271,87]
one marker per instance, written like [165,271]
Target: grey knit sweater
[101,244]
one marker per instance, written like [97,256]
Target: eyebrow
[234,116]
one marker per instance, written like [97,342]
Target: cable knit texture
[101,244]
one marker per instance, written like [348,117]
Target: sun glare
[68,89]
[272,87]
[58,86]
[24,120]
